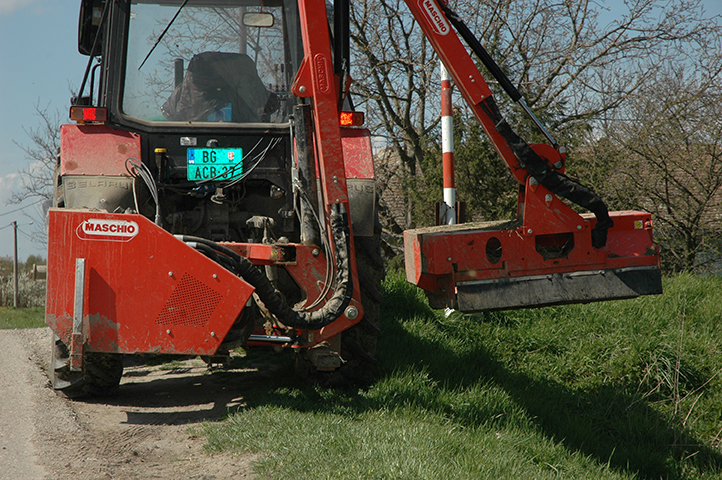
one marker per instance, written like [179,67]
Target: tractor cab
[208,62]
[202,88]
[190,61]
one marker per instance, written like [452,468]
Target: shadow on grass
[611,423]
[607,423]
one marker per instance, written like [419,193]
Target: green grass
[616,390]
[11,317]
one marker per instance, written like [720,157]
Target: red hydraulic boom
[550,254]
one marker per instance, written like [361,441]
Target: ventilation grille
[191,304]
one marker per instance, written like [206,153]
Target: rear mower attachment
[485,266]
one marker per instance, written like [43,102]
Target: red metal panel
[145,291]
[437,254]
[316,79]
[96,150]
[357,154]
[545,213]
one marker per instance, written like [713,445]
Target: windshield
[218,61]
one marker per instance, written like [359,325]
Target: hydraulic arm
[550,254]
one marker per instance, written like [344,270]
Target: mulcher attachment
[505,265]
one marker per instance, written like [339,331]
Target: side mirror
[257,19]
[91,13]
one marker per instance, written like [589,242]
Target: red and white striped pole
[448,208]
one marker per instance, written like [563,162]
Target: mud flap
[558,289]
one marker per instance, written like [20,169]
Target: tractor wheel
[100,375]
[358,343]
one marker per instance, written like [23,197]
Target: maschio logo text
[434,16]
[108,230]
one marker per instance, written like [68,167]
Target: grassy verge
[11,317]
[628,389]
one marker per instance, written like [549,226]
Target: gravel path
[144,432]
[19,385]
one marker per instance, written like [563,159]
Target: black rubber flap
[558,289]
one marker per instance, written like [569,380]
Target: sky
[40,62]
[40,66]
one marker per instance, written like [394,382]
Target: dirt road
[144,432]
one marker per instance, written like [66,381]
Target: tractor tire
[100,376]
[358,343]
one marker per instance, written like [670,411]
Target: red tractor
[217,190]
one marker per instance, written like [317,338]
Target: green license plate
[214,163]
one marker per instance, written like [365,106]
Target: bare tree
[578,59]
[665,156]
[394,66]
[41,155]
[573,60]
[38,176]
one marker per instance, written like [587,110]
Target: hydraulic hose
[555,182]
[273,301]
[494,68]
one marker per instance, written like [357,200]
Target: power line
[29,237]
[11,224]
[21,208]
